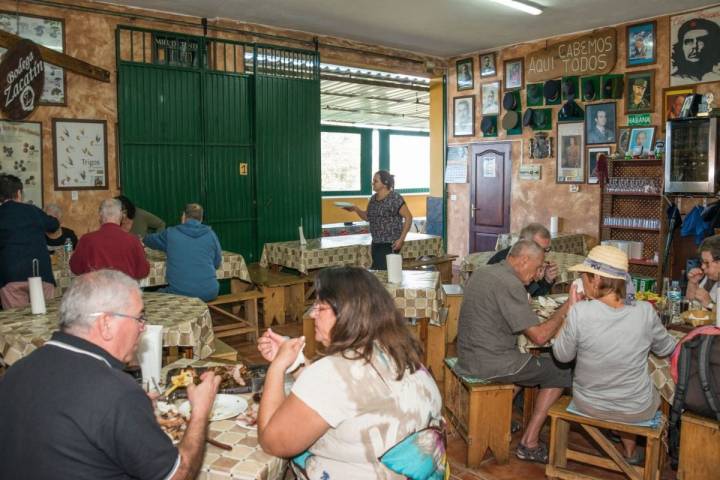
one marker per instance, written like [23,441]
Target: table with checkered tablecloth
[564,261]
[246,460]
[186,320]
[232,266]
[419,295]
[342,250]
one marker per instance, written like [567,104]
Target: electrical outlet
[453,197]
[74,195]
[574,188]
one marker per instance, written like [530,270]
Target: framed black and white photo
[513,74]
[22,156]
[489,98]
[487,65]
[464,116]
[694,52]
[48,32]
[641,44]
[465,71]
[592,155]
[570,153]
[600,121]
[80,154]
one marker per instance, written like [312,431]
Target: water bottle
[67,250]
[675,300]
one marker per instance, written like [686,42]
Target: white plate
[343,204]
[225,406]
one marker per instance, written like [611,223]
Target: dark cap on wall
[551,90]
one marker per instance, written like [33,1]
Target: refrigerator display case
[690,156]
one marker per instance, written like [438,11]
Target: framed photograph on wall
[487,65]
[694,38]
[673,99]
[592,155]
[623,140]
[600,123]
[640,94]
[513,74]
[570,153]
[48,32]
[22,156]
[464,116]
[489,98]
[464,69]
[81,158]
[640,41]
[641,140]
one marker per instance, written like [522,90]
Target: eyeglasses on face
[319,307]
[141,319]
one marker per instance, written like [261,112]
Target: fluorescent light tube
[517,5]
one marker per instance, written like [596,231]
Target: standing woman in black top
[385,213]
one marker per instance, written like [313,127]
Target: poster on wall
[571,149]
[694,55]
[48,32]
[457,165]
[80,154]
[22,156]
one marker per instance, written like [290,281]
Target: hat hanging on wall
[510,101]
[510,120]
[535,95]
[589,88]
[571,112]
[488,125]
[612,86]
[537,118]
[528,117]
[569,87]
[551,91]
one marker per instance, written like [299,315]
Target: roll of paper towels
[636,249]
[150,353]
[394,268]
[37,298]
[554,222]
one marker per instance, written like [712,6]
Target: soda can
[636,283]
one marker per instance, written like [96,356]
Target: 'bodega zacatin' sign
[21,80]
[593,54]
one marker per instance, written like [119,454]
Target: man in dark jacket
[549,272]
[22,239]
[193,255]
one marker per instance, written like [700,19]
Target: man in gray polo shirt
[496,309]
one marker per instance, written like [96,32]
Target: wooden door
[489,194]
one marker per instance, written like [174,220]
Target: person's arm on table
[192,446]
[542,333]
[286,425]
[408,220]
[156,241]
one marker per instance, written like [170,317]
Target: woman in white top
[366,393]
[610,337]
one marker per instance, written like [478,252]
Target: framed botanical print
[80,154]
[489,98]
[487,65]
[641,44]
[592,155]
[464,116]
[571,153]
[465,70]
[640,95]
[513,74]
[48,32]
[22,156]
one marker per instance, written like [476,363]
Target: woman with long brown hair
[366,393]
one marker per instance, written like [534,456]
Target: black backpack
[698,386]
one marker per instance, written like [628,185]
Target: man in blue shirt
[193,255]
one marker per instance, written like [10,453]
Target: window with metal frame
[406,155]
[346,160]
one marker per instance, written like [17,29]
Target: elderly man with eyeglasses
[703,281]
[69,410]
[548,272]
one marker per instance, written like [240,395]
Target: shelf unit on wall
[637,205]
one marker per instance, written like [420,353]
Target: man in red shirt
[110,246]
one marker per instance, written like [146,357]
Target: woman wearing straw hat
[610,337]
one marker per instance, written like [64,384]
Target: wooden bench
[245,325]
[560,453]
[443,265]
[699,448]
[283,294]
[453,300]
[480,412]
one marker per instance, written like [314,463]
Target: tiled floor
[489,469]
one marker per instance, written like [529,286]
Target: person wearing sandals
[610,336]
[495,310]
[388,216]
[365,394]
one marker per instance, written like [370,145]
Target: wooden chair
[560,453]
[247,325]
[480,412]
[699,447]
[283,294]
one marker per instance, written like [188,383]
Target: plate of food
[343,204]
[171,421]
[697,318]
[235,378]
[225,406]
[248,419]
